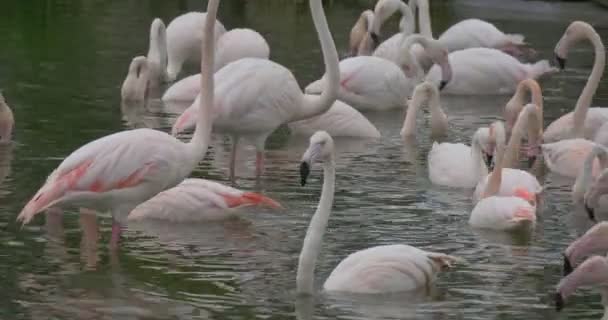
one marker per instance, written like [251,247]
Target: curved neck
[495,179]
[478,165]
[407,25]
[314,235]
[527,116]
[424,16]
[157,48]
[367,19]
[316,105]
[584,101]
[202,134]
[406,52]
[585,176]
[409,124]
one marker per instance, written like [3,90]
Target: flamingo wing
[116,162]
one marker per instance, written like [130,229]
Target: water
[61,67]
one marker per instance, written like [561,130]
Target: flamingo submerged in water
[196,200]
[380,269]
[119,171]
[255,96]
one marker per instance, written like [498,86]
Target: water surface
[61,67]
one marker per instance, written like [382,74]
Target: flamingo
[373,83]
[341,120]
[594,241]
[381,269]
[496,210]
[516,103]
[592,272]
[231,46]
[7,121]
[486,71]
[360,41]
[583,122]
[514,181]
[384,9]
[425,92]
[183,40]
[255,96]
[198,200]
[390,49]
[594,199]
[135,86]
[119,171]
[583,181]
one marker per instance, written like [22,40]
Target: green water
[61,67]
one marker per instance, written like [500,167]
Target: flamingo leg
[116,232]
[259,163]
[90,237]
[235,142]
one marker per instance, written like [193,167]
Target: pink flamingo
[119,171]
[592,272]
[255,96]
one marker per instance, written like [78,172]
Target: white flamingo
[255,96]
[157,54]
[429,94]
[486,71]
[594,241]
[195,200]
[592,272]
[596,162]
[583,122]
[381,269]
[341,120]
[135,86]
[372,83]
[360,41]
[184,35]
[119,171]
[231,46]
[496,210]
[515,181]
[7,121]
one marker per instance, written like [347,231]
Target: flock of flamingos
[142,173]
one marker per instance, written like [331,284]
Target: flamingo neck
[526,116]
[316,105]
[409,124]
[406,53]
[584,178]
[202,134]
[584,100]
[479,166]
[314,235]
[438,118]
[424,17]
[495,180]
[157,48]
[407,24]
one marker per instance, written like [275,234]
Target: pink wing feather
[118,161]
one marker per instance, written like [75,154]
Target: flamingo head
[575,32]
[320,149]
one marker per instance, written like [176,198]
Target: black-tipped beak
[559,301]
[590,213]
[304,172]
[561,62]
[488,160]
[442,84]
[375,39]
[567,266]
[531,160]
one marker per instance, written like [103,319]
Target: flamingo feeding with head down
[198,200]
[497,210]
[135,86]
[231,46]
[373,83]
[594,241]
[119,171]
[360,41]
[381,269]
[595,162]
[255,96]
[583,122]
[7,121]
[592,272]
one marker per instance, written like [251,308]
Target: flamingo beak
[561,62]
[375,39]
[590,213]
[304,172]
[559,301]
[488,159]
[567,266]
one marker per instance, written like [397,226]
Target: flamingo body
[504,213]
[115,172]
[512,180]
[453,165]
[566,157]
[386,269]
[485,71]
[476,33]
[369,83]
[341,120]
[184,36]
[198,200]
[563,127]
